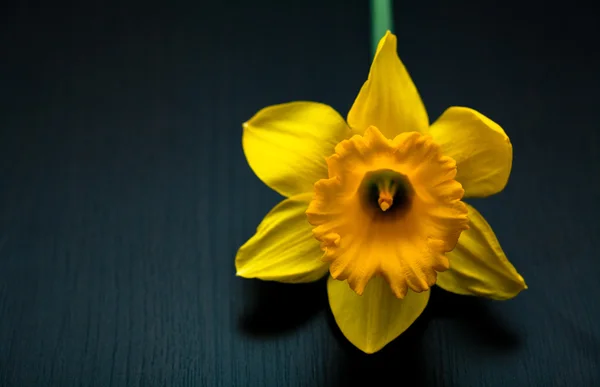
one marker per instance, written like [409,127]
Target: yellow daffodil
[376,202]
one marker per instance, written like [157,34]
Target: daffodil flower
[377,202]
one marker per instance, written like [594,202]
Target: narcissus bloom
[377,202]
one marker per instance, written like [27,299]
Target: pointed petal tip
[240,270]
[242,274]
[523,284]
[388,38]
[370,351]
[520,281]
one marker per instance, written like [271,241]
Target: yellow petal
[377,317]
[283,248]
[478,266]
[286,144]
[481,148]
[388,99]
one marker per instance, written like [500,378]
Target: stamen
[387,190]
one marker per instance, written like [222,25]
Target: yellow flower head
[389,208]
[377,202]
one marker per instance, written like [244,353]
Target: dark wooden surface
[124,192]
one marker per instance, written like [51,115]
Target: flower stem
[381,21]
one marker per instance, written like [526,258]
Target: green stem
[381,21]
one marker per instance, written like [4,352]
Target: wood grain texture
[124,193]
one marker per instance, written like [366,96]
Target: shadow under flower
[478,323]
[406,356]
[401,360]
[277,308]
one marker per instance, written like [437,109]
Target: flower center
[389,208]
[386,191]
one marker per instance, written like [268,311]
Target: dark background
[124,192]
